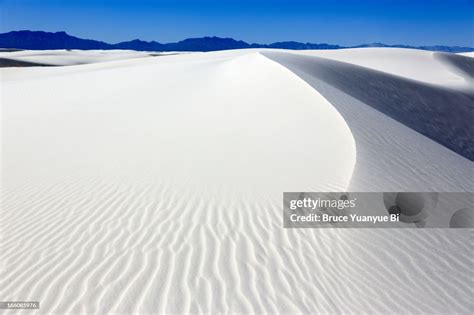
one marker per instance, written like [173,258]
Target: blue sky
[345,22]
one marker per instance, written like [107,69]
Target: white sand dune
[155,185]
[413,64]
[467,54]
[63,57]
[390,148]
[463,65]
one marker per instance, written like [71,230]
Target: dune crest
[384,113]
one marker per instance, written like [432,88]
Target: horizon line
[249,43]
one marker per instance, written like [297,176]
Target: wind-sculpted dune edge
[463,64]
[442,114]
[159,190]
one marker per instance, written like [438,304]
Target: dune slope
[148,186]
[419,65]
[422,107]
[63,57]
[464,65]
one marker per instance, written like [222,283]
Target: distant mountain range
[37,40]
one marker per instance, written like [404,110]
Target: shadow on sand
[6,63]
[442,114]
